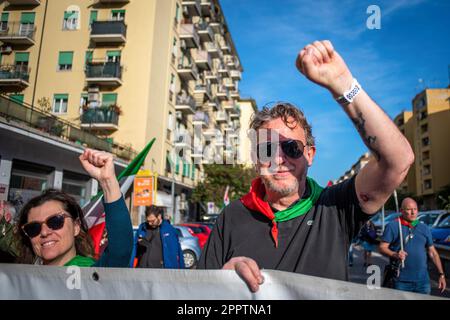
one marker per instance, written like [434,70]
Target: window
[84,100]
[424,128]
[109,99]
[93,16]
[118,15]
[65,60]
[70,21]
[21,61]
[169,126]
[4,22]
[428,184]
[168,163]
[177,14]
[113,56]
[427,169]
[425,141]
[27,24]
[193,172]
[60,103]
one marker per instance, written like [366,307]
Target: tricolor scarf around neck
[407,223]
[254,200]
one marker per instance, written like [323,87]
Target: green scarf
[303,205]
[81,261]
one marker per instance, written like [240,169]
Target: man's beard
[283,191]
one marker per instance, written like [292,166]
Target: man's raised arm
[392,154]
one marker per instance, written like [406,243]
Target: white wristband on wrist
[350,94]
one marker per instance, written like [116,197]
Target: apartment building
[126,71]
[427,128]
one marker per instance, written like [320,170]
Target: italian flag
[94,213]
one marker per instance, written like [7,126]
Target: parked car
[441,232]
[379,223]
[432,218]
[200,231]
[210,218]
[189,245]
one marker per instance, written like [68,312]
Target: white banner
[41,282]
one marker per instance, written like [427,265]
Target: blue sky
[393,64]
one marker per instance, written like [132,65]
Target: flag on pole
[94,213]
[226,198]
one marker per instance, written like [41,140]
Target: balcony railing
[103,118]
[221,116]
[203,59]
[185,103]
[202,118]
[203,90]
[187,70]
[228,105]
[205,32]
[12,75]
[211,76]
[189,34]
[229,83]
[235,74]
[111,31]
[106,73]
[192,6]
[222,93]
[17,33]
[24,2]
[50,124]
[206,7]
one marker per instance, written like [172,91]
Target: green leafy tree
[218,177]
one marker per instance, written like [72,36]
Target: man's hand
[442,283]
[401,255]
[321,64]
[248,270]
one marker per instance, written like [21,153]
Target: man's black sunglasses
[54,222]
[292,148]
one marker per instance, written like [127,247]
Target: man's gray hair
[290,114]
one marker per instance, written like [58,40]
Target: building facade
[126,71]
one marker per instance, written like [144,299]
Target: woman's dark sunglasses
[54,222]
[292,148]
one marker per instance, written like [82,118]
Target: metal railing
[12,72]
[17,29]
[50,124]
[100,115]
[104,70]
[201,116]
[183,100]
[108,27]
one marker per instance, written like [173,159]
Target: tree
[218,177]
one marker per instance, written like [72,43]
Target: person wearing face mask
[53,229]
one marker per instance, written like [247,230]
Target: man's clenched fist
[321,64]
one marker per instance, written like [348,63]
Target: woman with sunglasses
[55,233]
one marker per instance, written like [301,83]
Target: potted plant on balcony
[116,108]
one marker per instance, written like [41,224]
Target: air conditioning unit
[179,115]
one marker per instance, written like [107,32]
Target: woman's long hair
[83,242]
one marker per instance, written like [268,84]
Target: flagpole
[399,225]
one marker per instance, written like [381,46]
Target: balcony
[106,74]
[14,76]
[235,113]
[222,93]
[216,25]
[211,76]
[192,6]
[223,71]
[108,32]
[203,60]
[24,2]
[228,105]
[235,94]
[235,74]
[186,69]
[202,93]
[227,82]
[17,33]
[205,32]
[212,49]
[225,47]
[221,117]
[201,118]
[214,103]
[185,103]
[206,8]
[189,34]
[100,119]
